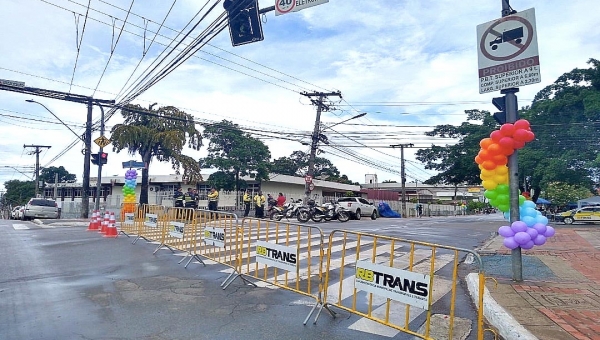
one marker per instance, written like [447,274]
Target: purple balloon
[510,243]
[518,226]
[549,232]
[528,245]
[541,228]
[506,231]
[539,240]
[522,237]
[532,233]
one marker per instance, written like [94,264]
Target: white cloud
[372,51]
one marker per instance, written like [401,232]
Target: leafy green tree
[561,193]
[225,181]
[455,162]
[565,117]
[160,134]
[297,165]
[236,154]
[19,192]
[47,175]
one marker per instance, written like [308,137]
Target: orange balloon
[489,165]
[484,155]
[485,143]
[478,159]
[500,160]
[494,148]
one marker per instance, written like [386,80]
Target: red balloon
[507,129]
[496,136]
[519,144]
[508,151]
[530,136]
[506,143]
[520,135]
[485,143]
[522,124]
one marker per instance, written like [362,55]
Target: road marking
[19,226]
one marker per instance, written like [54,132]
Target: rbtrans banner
[397,284]
[214,237]
[278,256]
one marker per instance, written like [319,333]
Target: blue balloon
[528,204]
[541,219]
[506,216]
[530,221]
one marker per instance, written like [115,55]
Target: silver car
[40,208]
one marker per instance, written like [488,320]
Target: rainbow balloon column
[129,187]
[532,229]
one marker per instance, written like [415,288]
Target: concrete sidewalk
[559,297]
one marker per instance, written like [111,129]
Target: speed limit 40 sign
[287,6]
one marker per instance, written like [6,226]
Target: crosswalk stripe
[19,226]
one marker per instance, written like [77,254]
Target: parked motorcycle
[336,211]
[288,211]
[312,212]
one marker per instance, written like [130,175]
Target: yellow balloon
[502,170]
[489,185]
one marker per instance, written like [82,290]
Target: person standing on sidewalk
[247,200]
[178,197]
[213,199]
[259,205]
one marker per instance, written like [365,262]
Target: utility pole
[99,180]
[402,174]
[315,136]
[87,139]
[37,164]
[510,100]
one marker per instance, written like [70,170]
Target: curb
[497,316]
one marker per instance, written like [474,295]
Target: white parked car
[358,207]
[40,208]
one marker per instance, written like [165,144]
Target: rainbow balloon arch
[532,228]
[129,196]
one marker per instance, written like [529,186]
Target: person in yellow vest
[213,199]
[259,205]
[247,200]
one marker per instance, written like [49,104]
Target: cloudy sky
[410,65]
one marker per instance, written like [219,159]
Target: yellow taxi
[585,214]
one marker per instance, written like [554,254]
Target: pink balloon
[539,240]
[506,142]
[549,232]
[507,129]
[532,232]
[506,231]
[510,243]
[528,245]
[518,226]
[522,237]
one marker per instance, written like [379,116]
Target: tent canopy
[594,200]
[542,201]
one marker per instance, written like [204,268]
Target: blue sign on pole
[133,164]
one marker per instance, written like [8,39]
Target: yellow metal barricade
[215,238]
[286,255]
[149,222]
[397,282]
[178,230]
[128,214]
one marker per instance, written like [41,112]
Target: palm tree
[162,134]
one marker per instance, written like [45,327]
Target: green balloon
[490,194]
[502,189]
[521,199]
[504,207]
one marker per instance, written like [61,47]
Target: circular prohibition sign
[520,48]
[285,6]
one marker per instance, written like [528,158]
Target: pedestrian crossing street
[345,251]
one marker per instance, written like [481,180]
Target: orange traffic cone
[93,222]
[105,222]
[111,230]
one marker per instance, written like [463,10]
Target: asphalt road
[67,283]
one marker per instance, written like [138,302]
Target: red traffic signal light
[103,157]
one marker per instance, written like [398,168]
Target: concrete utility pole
[402,174]
[37,164]
[99,180]
[315,136]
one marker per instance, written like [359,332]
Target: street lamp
[313,150]
[55,116]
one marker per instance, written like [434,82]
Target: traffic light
[500,104]
[95,157]
[244,21]
[103,157]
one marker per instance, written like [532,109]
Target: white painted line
[19,226]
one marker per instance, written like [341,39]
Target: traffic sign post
[102,141]
[288,6]
[508,52]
